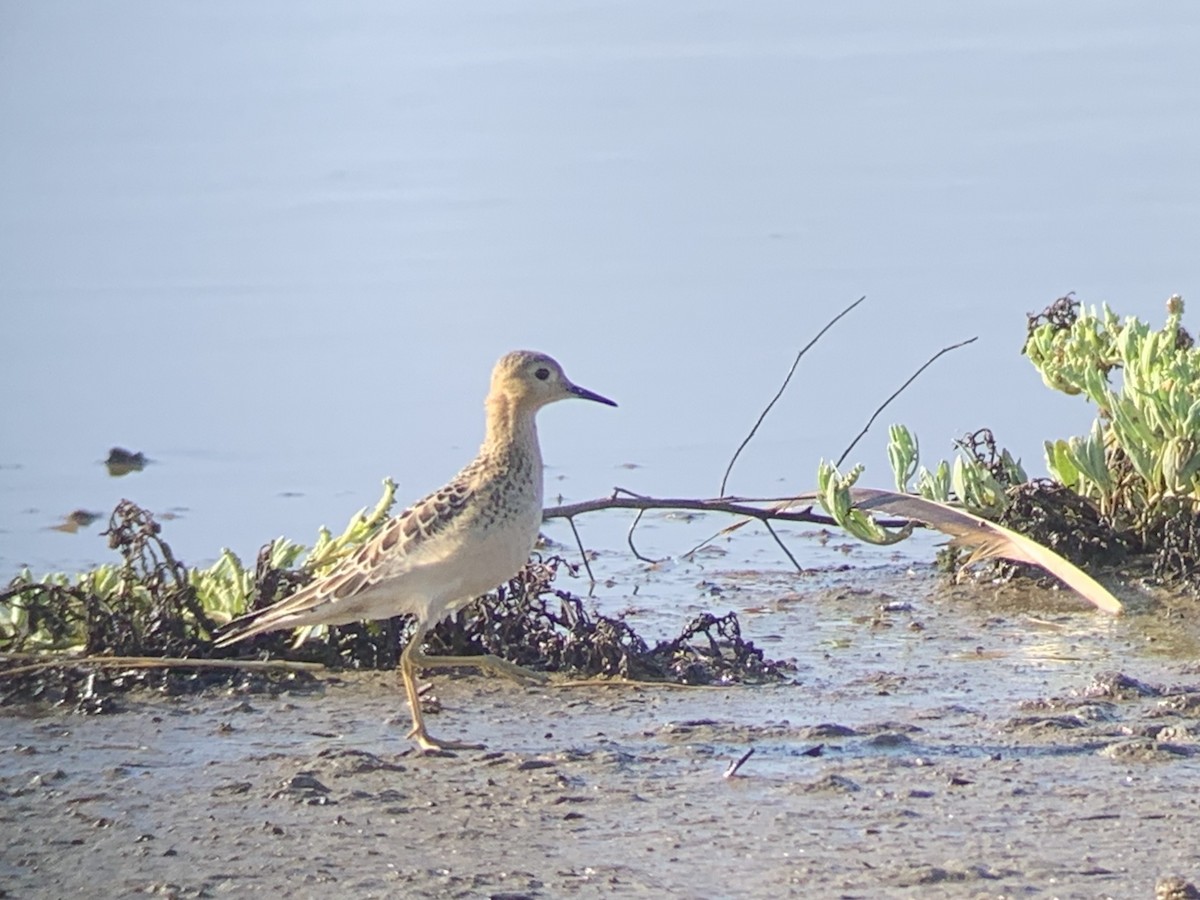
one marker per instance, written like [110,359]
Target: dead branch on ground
[777,509]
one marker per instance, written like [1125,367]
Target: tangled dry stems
[155,611]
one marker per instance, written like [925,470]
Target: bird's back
[435,557]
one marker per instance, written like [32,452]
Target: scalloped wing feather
[389,554]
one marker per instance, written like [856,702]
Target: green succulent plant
[1140,462]
[222,590]
[966,480]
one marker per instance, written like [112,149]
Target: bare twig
[737,506]
[779,393]
[712,537]
[623,492]
[746,507]
[582,551]
[629,539]
[782,545]
[897,393]
[737,764]
[151,662]
[605,681]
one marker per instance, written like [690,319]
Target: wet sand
[955,748]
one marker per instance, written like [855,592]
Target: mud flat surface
[970,743]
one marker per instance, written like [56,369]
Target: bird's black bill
[585,394]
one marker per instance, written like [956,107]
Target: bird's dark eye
[542,374]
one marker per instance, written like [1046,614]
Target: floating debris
[732,770]
[121,462]
[73,521]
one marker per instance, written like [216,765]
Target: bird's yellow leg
[493,664]
[408,672]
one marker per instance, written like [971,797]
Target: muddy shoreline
[941,749]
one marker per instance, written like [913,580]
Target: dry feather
[987,540]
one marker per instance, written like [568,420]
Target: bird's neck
[510,424]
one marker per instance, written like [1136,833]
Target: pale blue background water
[277,246]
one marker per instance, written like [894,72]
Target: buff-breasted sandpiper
[442,552]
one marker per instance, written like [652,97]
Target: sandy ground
[947,750]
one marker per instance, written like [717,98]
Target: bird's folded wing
[392,552]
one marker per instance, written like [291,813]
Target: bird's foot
[493,664]
[430,744]
[512,670]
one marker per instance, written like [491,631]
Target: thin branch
[582,552]
[730,498]
[900,390]
[783,546]
[629,539]
[736,507]
[712,537]
[734,766]
[782,388]
[152,662]
[625,492]
[604,681]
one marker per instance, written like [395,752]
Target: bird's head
[533,380]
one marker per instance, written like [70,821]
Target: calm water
[277,246]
